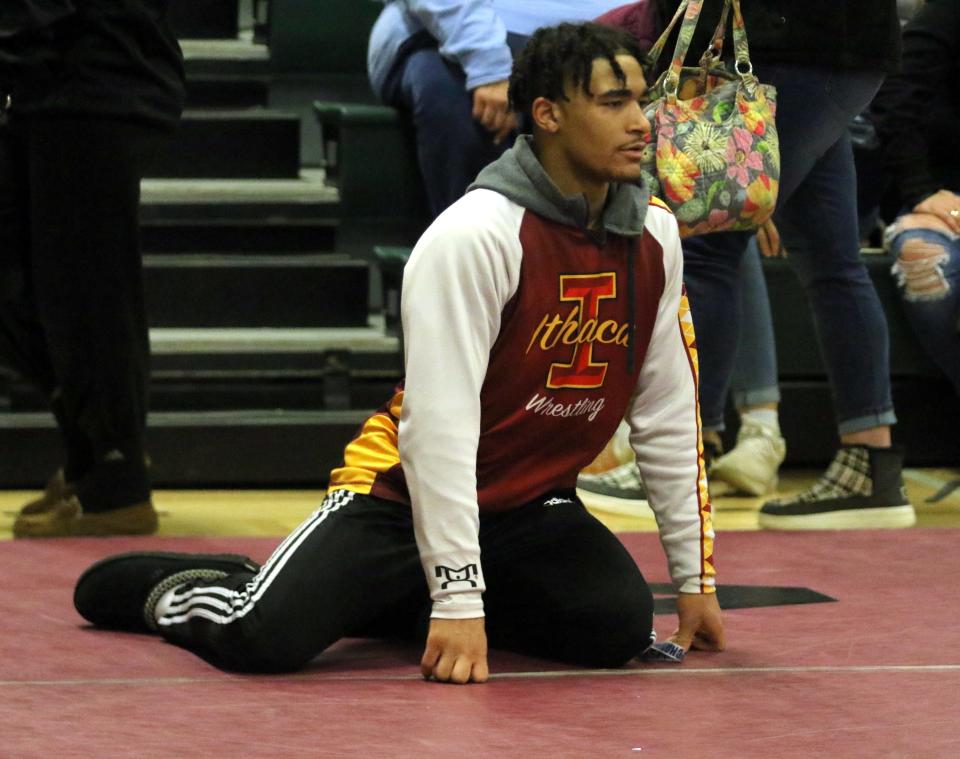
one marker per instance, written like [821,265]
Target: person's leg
[84,182]
[349,567]
[711,272]
[817,217]
[561,586]
[815,106]
[819,228]
[22,339]
[927,273]
[752,465]
[452,146]
[755,380]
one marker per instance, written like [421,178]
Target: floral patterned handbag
[713,155]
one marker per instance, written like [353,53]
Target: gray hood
[519,176]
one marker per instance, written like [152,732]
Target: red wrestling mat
[874,673]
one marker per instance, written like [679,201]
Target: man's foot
[618,490]
[121,592]
[752,464]
[66,518]
[56,490]
[861,489]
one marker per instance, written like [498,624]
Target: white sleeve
[460,275]
[664,420]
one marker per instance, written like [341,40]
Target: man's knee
[919,268]
[619,632]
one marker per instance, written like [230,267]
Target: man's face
[602,134]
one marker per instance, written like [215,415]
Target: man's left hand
[701,625]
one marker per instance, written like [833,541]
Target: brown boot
[57,489]
[66,518]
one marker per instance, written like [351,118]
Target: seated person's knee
[919,266]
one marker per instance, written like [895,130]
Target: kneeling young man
[538,311]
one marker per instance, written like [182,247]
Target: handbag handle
[690,10]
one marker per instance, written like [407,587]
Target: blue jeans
[754,378]
[933,308]
[452,147]
[817,218]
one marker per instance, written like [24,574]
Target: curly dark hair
[565,53]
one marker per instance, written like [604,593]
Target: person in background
[826,59]
[917,117]
[85,87]
[445,64]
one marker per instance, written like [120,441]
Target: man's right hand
[491,107]
[456,651]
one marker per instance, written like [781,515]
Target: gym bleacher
[275,225]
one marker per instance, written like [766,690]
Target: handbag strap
[690,11]
[654,52]
[741,49]
[714,51]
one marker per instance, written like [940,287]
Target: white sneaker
[752,464]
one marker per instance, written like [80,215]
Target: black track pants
[559,586]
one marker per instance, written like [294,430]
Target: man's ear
[546,115]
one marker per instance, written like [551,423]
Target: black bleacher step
[229,92]
[210,19]
[255,291]
[240,56]
[270,234]
[212,201]
[204,369]
[255,448]
[247,143]
[798,353]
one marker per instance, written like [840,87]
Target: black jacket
[859,34]
[917,111]
[108,58]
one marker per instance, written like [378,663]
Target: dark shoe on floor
[57,489]
[862,489]
[66,518]
[122,591]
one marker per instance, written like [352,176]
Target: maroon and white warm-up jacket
[528,339]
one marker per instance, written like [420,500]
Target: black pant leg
[84,191]
[352,564]
[23,343]
[561,586]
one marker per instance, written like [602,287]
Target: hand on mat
[768,240]
[491,108]
[701,625]
[456,651]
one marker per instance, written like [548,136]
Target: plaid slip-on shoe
[619,490]
[121,592]
[862,489]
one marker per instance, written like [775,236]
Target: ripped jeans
[927,273]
